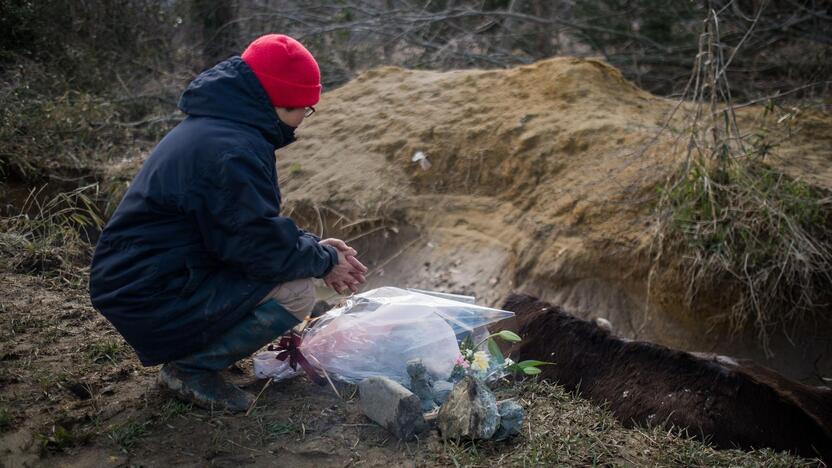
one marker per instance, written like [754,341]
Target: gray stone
[511,419]
[470,412]
[441,391]
[421,383]
[392,406]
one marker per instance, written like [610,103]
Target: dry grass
[757,239]
[565,430]
[117,411]
[49,235]
[758,234]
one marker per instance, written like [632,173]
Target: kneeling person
[196,268]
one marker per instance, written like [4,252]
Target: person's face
[293,116]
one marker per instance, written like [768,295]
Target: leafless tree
[653,41]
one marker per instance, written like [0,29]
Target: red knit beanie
[287,71]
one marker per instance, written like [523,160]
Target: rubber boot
[196,378]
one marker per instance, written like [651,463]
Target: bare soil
[543,180]
[73,394]
[539,182]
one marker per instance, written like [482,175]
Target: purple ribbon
[289,347]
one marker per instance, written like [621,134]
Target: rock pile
[468,409]
[472,412]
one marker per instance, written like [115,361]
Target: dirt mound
[538,182]
[542,179]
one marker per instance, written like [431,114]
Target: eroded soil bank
[542,179]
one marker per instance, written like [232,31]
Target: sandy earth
[539,182]
[542,180]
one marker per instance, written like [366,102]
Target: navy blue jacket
[198,241]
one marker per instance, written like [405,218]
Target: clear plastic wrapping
[376,332]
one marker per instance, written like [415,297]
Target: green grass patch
[59,438]
[172,408]
[110,350]
[126,436]
[49,383]
[760,237]
[129,434]
[278,428]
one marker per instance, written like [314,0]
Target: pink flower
[461,362]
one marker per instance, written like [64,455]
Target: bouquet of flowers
[377,332]
[487,363]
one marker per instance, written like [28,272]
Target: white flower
[508,362]
[480,362]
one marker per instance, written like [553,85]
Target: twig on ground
[253,403]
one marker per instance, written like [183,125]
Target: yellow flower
[480,362]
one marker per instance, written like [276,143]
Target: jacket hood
[230,90]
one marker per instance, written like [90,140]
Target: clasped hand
[348,274]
